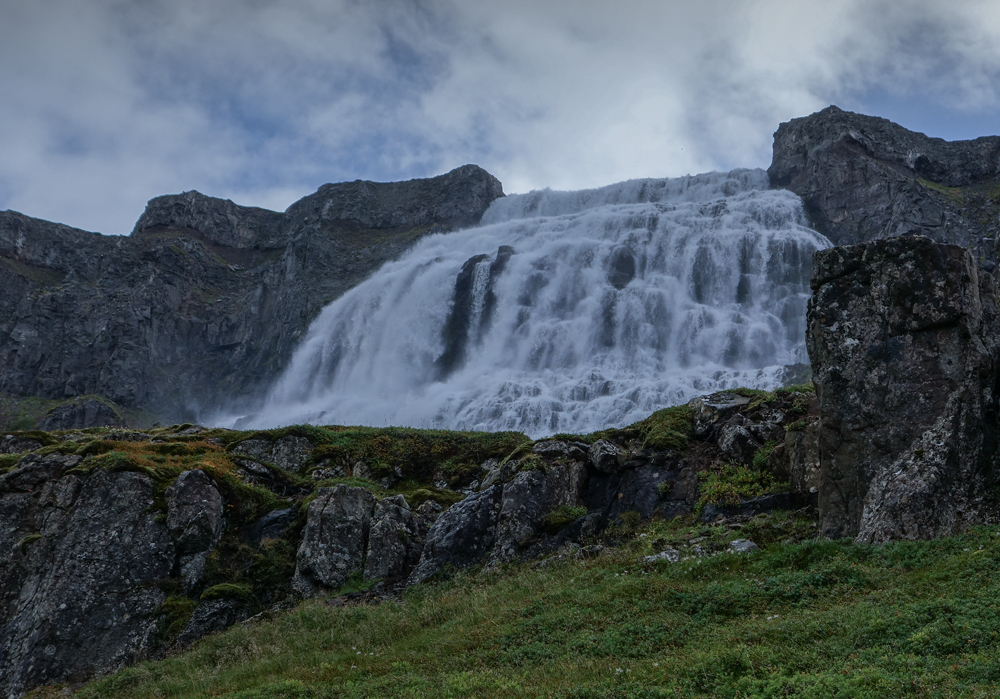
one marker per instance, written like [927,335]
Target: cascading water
[566,312]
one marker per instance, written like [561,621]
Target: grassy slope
[810,619]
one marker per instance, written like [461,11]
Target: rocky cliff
[121,545]
[865,178]
[206,299]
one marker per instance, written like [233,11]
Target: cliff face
[206,299]
[865,178]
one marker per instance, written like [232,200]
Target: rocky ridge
[865,178]
[206,299]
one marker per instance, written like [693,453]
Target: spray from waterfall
[566,312]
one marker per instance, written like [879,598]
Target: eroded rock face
[335,538]
[864,178]
[902,337]
[81,413]
[194,519]
[80,594]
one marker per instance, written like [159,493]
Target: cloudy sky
[107,103]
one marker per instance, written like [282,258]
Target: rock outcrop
[864,178]
[206,299]
[903,340]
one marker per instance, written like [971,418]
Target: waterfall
[566,312]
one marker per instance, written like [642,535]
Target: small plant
[27,541]
[174,615]
[559,518]
[232,591]
[667,429]
[761,456]
[532,462]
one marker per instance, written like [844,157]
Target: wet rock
[621,267]
[665,490]
[738,441]
[80,413]
[902,336]
[462,535]
[560,449]
[802,456]
[334,540]
[499,475]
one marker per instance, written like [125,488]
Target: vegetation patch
[559,518]
[173,616]
[233,591]
[730,484]
[669,428]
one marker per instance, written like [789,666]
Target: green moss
[532,462]
[232,591]
[39,275]
[669,428]
[27,541]
[955,194]
[8,461]
[356,583]
[173,616]
[559,518]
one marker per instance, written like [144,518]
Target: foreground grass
[810,619]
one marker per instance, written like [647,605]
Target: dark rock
[709,411]
[290,453]
[12,444]
[462,535]
[802,454]
[194,519]
[738,441]
[395,541]
[560,449]
[743,546]
[33,471]
[212,616]
[902,336]
[335,538]
[864,178]
[80,594]
[80,413]
[273,525]
[528,499]
[621,267]
[664,490]
[756,506]
[604,455]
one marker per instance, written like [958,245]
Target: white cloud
[108,103]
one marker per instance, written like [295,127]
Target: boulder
[461,535]
[13,444]
[290,453]
[709,411]
[395,540]
[335,539]
[212,616]
[529,498]
[603,456]
[902,336]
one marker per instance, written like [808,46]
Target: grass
[808,619]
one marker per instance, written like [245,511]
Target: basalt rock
[864,178]
[206,300]
[902,336]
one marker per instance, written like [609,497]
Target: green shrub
[730,484]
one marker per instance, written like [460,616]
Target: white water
[721,279]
